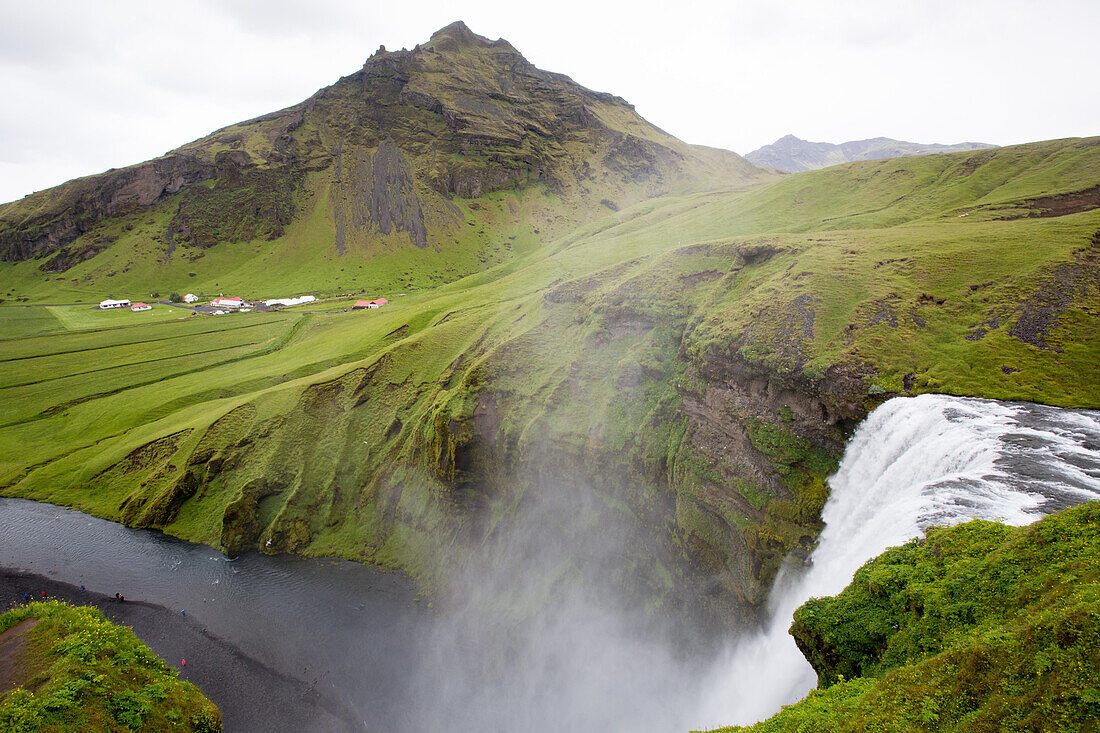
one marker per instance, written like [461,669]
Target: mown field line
[113,346]
[55,409]
[131,364]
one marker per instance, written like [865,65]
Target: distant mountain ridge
[793,154]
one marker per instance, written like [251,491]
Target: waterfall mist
[543,631]
[540,632]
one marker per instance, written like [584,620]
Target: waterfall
[913,463]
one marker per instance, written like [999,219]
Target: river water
[575,662]
[353,629]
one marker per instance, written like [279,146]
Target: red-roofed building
[141,307]
[231,302]
[361,304]
[378,303]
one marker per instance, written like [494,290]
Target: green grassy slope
[84,673]
[698,356]
[978,627]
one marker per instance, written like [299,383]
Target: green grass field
[357,433]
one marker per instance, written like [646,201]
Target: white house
[190,298]
[141,307]
[106,304]
[231,302]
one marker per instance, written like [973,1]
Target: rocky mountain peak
[460,32]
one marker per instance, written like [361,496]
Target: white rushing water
[913,463]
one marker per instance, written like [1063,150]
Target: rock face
[44,222]
[459,116]
[791,154]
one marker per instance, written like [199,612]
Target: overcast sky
[93,85]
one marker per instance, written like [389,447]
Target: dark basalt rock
[393,201]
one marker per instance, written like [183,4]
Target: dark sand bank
[250,695]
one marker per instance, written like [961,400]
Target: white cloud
[91,86]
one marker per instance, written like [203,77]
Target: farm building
[141,307]
[106,304]
[230,302]
[291,301]
[378,303]
[361,304]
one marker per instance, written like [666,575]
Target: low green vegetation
[77,671]
[976,627]
[27,321]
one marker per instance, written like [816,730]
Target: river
[350,630]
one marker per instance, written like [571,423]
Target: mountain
[371,172]
[791,154]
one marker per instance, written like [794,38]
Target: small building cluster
[111,304]
[232,303]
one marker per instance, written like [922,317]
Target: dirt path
[12,643]
[251,696]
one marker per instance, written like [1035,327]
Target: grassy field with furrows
[394,435]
